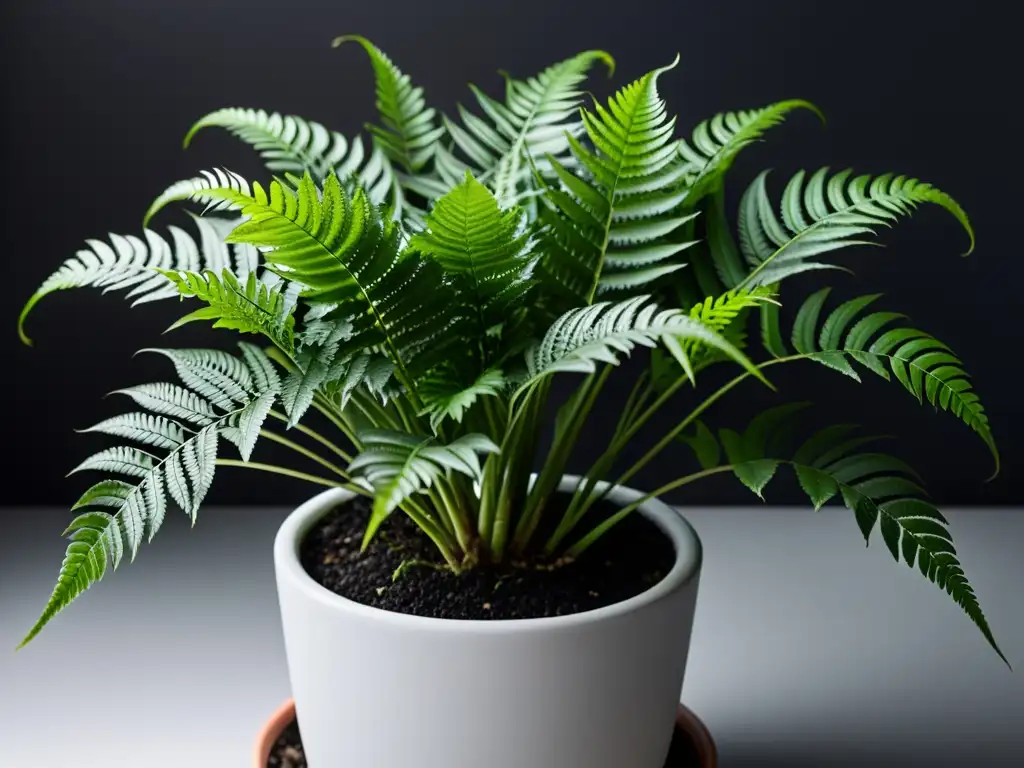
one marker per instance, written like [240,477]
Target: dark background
[98,95]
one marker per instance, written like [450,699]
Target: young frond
[825,214]
[599,333]
[531,124]
[444,396]
[399,465]
[922,364]
[116,515]
[607,226]
[129,262]
[880,490]
[484,248]
[717,141]
[408,133]
[348,257]
[249,307]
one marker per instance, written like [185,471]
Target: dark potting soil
[287,751]
[628,560]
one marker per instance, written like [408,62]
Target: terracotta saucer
[686,721]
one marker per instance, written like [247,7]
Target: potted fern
[413,298]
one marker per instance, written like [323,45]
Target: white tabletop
[808,650]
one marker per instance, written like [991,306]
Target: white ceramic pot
[376,689]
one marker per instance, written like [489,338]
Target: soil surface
[629,559]
[287,751]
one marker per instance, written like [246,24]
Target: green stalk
[335,417]
[313,434]
[454,509]
[587,499]
[276,470]
[581,546]
[494,469]
[675,431]
[421,517]
[517,471]
[557,458]
[280,439]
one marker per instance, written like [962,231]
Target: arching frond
[357,166]
[484,248]
[826,214]
[607,227]
[116,515]
[408,132]
[531,123]
[399,465]
[925,366]
[129,263]
[880,490]
[252,307]
[717,141]
[348,257]
[583,337]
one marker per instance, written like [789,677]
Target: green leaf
[408,132]
[818,485]
[600,333]
[923,365]
[117,514]
[825,214]
[399,465]
[610,224]
[252,307]
[445,397]
[534,121]
[348,257]
[704,445]
[483,247]
[717,141]
[130,263]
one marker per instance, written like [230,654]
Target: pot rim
[686,567]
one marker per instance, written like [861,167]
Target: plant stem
[327,409]
[313,434]
[276,470]
[584,500]
[557,458]
[280,439]
[580,546]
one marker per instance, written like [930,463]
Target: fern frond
[312,369]
[484,248]
[284,142]
[144,428]
[129,262]
[252,307]
[350,163]
[531,123]
[408,132]
[607,227]
[922,364]
[348,257]
[399,465]
[117,515]
[825,214]
[371,370]
[599,333]
[880,490]
[717,141]
[444,396]
[194,189]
